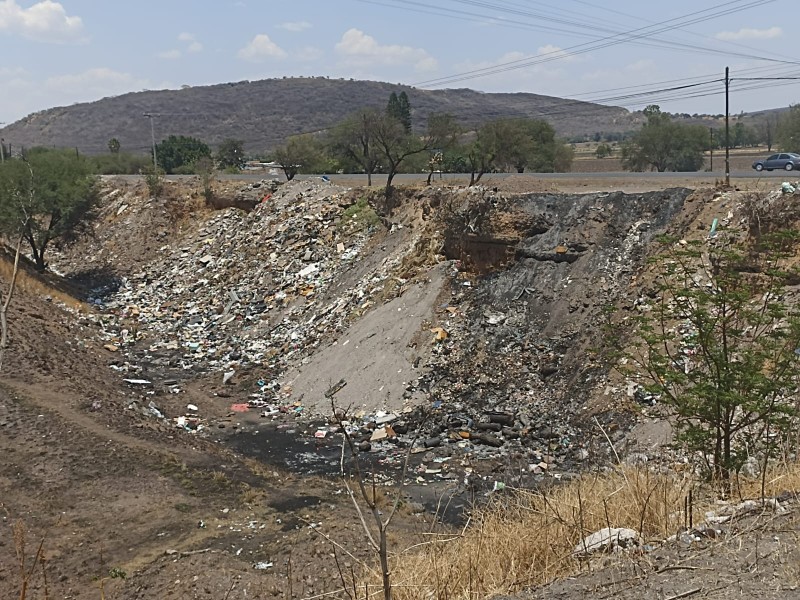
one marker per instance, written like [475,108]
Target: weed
[524,538]
[359,216]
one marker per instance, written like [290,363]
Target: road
[406,178]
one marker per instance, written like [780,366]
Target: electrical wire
[633,35]
[543,58]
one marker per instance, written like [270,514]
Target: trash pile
[244,288]
[498,349]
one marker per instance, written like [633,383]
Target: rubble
[608,539]
[462,331]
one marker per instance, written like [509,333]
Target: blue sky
[59,53]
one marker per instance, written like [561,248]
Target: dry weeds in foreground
[523,539]
[34,285]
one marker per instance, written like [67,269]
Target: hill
[263,113]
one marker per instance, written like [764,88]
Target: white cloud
[261,48]
[170,54]
[748,33]
[552,52]
[95,83]
[45,21]
[11,72]
[191,43]
[295,26]
[362,50]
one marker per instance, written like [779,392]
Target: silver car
[788,161]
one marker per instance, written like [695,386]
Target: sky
[57,53]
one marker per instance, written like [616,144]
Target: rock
[751,468]
[636,459]
[608,539]
[488,439]
[503,418]
[488,426]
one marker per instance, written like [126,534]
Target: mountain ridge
[263,113]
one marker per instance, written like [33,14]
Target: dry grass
[527,538]
[34,284]
[780,478]
[523,538]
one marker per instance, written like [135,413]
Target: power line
[617,38]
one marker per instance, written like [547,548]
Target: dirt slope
[469,304]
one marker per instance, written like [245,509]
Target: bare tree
[7,302]
[24,211]
[377,534]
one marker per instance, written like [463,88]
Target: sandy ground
[383,343]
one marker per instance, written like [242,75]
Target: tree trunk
[7,303]
[718,453]
[430,175]
[389,179]
[369,178]
[38,258]
[384,554]
[726,449]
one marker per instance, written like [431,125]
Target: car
[789,161]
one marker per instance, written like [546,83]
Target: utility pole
[711,148]
[727,128]
[153,137]
[2,149]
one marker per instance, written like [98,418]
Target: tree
[481,154]
[301,153]
[718,346]
[517,145]
[766,131]
[47,195]
[114,146]
[230,154]
[742,136]
[352,141]
[603,151]
[399,107]
[394,144]
[664,145]
[788,135]
[180,151]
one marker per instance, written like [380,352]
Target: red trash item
[239,407]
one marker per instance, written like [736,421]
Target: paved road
[405,178]
[460,178]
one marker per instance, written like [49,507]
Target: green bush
[123,163]
[360,215]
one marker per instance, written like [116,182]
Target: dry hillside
[263,113]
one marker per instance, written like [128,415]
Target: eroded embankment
[466,315]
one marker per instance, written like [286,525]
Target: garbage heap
[498,360]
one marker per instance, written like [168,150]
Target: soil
[255,509]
